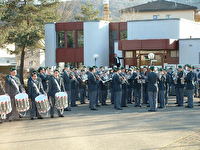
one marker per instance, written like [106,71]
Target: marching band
[129,86]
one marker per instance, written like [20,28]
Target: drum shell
[5,105]
[61,100]
[22,102]
[42,104]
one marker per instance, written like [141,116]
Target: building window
[80,38]
[70,39]
[155,16]
[174,53]
[168,16]
[123,34]
[61,39]
[129,54]
[113,38]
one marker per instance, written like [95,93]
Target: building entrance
[157,61]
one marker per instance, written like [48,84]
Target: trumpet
[74,78]
[124,79]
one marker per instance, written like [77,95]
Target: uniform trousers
[190,98]
[137,94]
[34,110]
[93,97]
[124,97]
[104,94]
[152,100]
[53,106]
[112,95]
[130,92]
[118,98]
[195,90]
[171,89]
[97,97]
[69,98]
[161,95]
[73,97]
[14,113]
[180,96]
[145,93]
[166,95]
[82,95]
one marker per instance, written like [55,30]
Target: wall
[186,14]
[163,29]
[189,51]
[96,41]
[50,45]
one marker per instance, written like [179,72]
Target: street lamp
[151,57]
[95,57]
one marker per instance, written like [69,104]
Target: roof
[160,5]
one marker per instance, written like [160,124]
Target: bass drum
[42,104]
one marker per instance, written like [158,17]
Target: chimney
[106,11]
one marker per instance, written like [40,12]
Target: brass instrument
[124,79]
[74,77]
[174,76]
[183,77]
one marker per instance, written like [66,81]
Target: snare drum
[22,102]
[42,104]
[61,100]
[5,105]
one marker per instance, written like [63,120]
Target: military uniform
[34,89]
[124,91]
[92,87]
[171,84]
[67,83]
[190,88]
[145,88]
[55,85]
[180,89]
[152,79]
[2,91]
[117,87]
[130,90]
[13,87]
[104,89]
[82,88]
[136,89]
[161,90]
[44,79]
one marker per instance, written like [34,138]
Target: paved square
[131,128]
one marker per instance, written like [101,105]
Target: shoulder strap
[58,86]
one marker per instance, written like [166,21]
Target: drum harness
[58,86]
[37,89]
[15,84]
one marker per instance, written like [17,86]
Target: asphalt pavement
[132,128]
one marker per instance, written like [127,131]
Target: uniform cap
[12,69]
[179,66]
[151,67]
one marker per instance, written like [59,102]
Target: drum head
[21,96]
[40,98]
[61,94]
[4,98]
